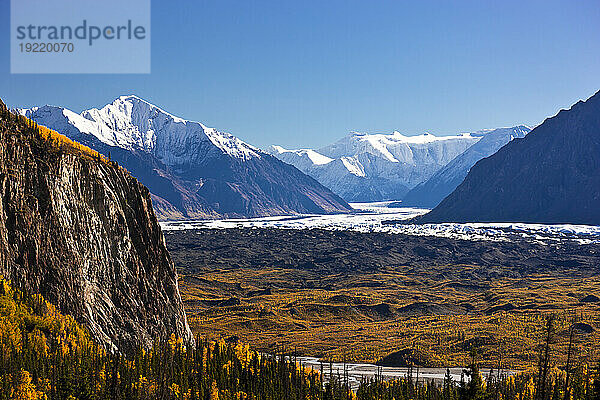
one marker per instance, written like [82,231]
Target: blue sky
[305,73]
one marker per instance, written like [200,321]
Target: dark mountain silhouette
[431,192]
[550,176]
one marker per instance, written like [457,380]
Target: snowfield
[378,217]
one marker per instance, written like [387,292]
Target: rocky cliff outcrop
[81,231]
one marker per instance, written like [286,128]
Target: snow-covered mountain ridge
[378,167]
[130,122]
[192,171]
[431,192]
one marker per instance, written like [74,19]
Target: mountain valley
[354,296]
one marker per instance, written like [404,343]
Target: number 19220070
[36,47]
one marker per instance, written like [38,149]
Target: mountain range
[376,167]
[192,171]
[430,193]
[550,176]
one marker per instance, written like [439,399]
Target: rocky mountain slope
[431,192]
[552,175]
[191,170]
[377,167]
[81,231]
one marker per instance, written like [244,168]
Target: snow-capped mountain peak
[314,157]
[192,171]
[132,123]
[397,148]
[397,137]
[385,166]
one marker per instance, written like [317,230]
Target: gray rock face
[82,232]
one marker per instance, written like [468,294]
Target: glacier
[379,217]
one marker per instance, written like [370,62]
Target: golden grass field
[433,315]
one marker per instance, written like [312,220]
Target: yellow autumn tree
[25,389]
[214,392]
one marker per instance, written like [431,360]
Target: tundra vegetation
[390,299]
